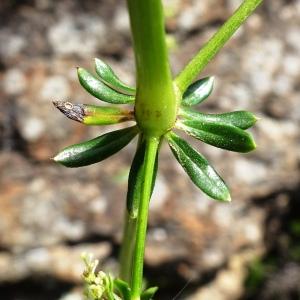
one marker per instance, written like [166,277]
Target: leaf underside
[198,168]
[220,135]
[241,119]
[97,149]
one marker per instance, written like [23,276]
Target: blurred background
[248,249]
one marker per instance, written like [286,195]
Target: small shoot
[97,286]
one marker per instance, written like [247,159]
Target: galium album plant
[158,104]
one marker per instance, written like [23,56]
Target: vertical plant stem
[128,243]
[152,144]
[212,47]
[155,105]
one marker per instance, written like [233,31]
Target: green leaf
[135,180]
[123,289]
[198,91]
[93,114]
[241,119]
[149,293]
[100,90]
[220,135]
[198,168]
[108,76]
[97,149]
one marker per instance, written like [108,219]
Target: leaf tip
[256,118]
[211,79]
[228,198]
[56,158]
[60,157]
[79,70]
[253,145]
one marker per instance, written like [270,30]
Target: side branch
[214,45]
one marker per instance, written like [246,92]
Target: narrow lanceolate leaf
[94,115]
[135,180]
[198,91]
[108,76]
[100,90]
[221,135]
[97,149]
[241,119]
[149,293]
[123,289]
[198,168]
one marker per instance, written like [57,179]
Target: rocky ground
[49,214]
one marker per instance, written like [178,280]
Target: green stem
[212,47]
[127,248]
[142,219]
[128,243]
[155,105]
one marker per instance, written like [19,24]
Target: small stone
[291,65]
[11,44]
[249,172]
[230,283]
[158,234]
[212,258]
[223,215]
[293,38]
[160,194]
[32,129]
[74,295]
[82,35]
[55,87]
[203,203]
[98,205]
[252,232]
[283,85]
[38,259]
[121,20]
[14,82]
